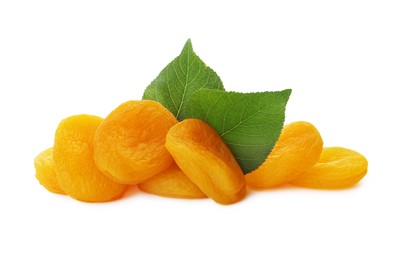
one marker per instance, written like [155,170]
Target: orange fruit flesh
[45,172]
[129,143]
[76,171]
[171,183]
[337,168]
[206,160]
[297,149]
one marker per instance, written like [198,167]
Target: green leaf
[249,123]
[177,82]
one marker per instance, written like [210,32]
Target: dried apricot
[76,171]
[129,143]
[337,168]
[45,171]
[297,149]
[204,157]
[172,182]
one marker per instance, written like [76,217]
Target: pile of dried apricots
[142,143]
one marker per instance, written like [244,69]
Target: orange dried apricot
[76,171]
[171,183]
[129,143]
[45,173]
[337,168]
[297,149]
[204,157]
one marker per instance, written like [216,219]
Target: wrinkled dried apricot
[204,157]
[337,168]
[76,171]
[172,182]
[129,143]
[45,173]
[297,149]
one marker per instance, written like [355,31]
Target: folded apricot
[129,143]
[45,173]
[206,160]
[172,182]
[76,171]
[297,149]
[337,168]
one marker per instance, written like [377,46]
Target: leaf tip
[287,92]
[188,45]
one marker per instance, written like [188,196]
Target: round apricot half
[204,157]
[76,171]
[297,149]
[45,173]
[172,182]
[130,142]
[337,168]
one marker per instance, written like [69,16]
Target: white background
[341,58]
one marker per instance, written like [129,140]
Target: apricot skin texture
[45,172]
[172,183]
[130,142]
[76,171]
[337,168]
[203,156]
[297,149]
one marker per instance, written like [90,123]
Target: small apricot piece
[172,183]
[337,168]
[45,173]
[129,143]
[204,157]
[76,171]
[297,149]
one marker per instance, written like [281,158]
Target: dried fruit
[337,168]
[297,149]
[203,156]
[129,143]
[222,135]
[45,171]
[171,183]
[76,171]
